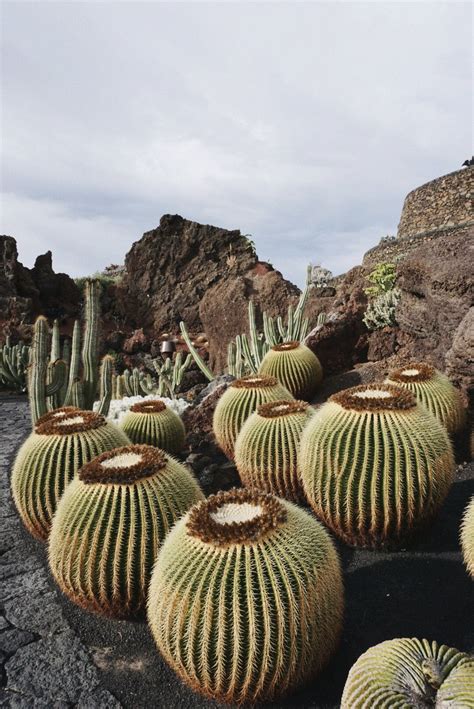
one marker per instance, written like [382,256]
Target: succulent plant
[295,366]
[407,672]
[267,447]
[467,537]
[13,364]
[152,422]
[239,401]
[62,441]
[375,464]
[434,390]
[110,523]
[246,597]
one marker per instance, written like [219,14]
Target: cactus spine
[267,448]
[153,423]
[295,366]
[467,537]
[407,672]
[110,524]
[246,597]
[238,402]
[375,465]
[434,390]
[62,441]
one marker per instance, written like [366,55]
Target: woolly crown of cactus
[267,446]
[62,441]
[246,597]
[238,402]
[407,672]
[153,423]
[434,390]
[110,524]
[467,537]
[295,366]
[375,465]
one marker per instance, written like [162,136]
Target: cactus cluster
[295,366]
[467,537]
[110,523]
[375,465]
[238,402]
[434,390]
[246,597]
[266,451]
[13,365]
[170,374]
[407,672]
[61,442]
[153,423]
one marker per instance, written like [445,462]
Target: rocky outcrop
[460,358]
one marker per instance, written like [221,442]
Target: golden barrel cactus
[110,524]
[246,597]
[295,366]
[467,537]
[238,402]
[407,672]
[266,451]
[375,464]
[62,441]
[434,390]
[155,424]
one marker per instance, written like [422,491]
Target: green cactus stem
[106,385]
[153,423]
[110,524]
[90,346]
[407,672]
[295,366]
[14,361]
[375,465]
[195,354]
[74,367]
[467,537]
[45,378]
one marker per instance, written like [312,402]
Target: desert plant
[110,524]
[239,401]
[267,448]
[13,365]
[152,422]
[295,366]
[380,311]
[407,672]
[434,390]
[467,537]
[169,371]
[246,597]
[321,277]
[383,278]
[61,442]
[375,465]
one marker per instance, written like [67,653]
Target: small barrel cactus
[295,366]
[61,442]
[267,448]
[153,423]
[407,672]
[467,537]
[375,464]
[246,597]
[238,402]
[110,524]
[434,390]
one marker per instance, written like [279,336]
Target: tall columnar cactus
[110,524]
[375,465]
[90,344]
[434,390]
[45,378]
[267,446]
[238,402]
[153,423]
[246,597]
[62,441]
[295,366]
[13,364]
[467,537]
[407,672]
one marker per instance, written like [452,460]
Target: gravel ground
[56,655]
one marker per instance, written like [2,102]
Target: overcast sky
[302,124]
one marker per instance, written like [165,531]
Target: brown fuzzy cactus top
[421,372]
[63,422]
[365,398]
[56,414]
[273,409]
[133,463]
[254,381]
[148,407]
[285,346]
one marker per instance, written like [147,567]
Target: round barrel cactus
[153,423]
[407,672]
[246,597]
[375,464]
[267,448]
[61,442]
[434,390]
[238,402]
[467,537]
[295,366]
[110,523]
